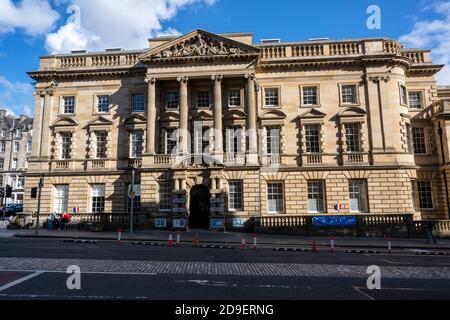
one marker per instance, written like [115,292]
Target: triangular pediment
[65,122]
[98,121]
[169,116]
[311,114]
[352,112]
[135,119]
[202,115]
[199,43]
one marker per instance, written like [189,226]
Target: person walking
[430,229]
[51,221]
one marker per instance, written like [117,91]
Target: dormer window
[69,105]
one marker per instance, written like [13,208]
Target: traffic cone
[314,246]
[243,244]
[178,239]
[170,242]
[254,241]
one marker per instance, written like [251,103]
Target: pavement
[234,238]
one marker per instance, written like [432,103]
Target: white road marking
[397,262]
[363,293]
[90,272]
[21,280]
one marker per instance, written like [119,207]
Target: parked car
[11,209]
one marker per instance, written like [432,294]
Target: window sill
[310,106]
[350,104]
[67,115]
[272,107]
[101,113]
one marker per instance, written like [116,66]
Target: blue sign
[238,222]
[217,223]
[179,223]
[334,221]
[160,223]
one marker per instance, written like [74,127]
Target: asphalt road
[36,269]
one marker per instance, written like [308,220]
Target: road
[36,269]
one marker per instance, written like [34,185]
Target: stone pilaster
[184,115]
[151,116]
[252,116]
[218,127]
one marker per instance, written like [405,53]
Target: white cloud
[100,24]
[16,97]
[434,35]
[34,17]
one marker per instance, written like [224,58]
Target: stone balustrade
[103,60]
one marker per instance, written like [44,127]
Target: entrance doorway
[199,207]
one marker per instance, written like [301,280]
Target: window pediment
[199,43]
[202,116]
[169,117]
[234,115]
[273,115]
[98,121]
[352,112]
[311,114]
[65,122]
[135,119]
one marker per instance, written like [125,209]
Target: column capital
[183,79]
[378,79]
[217,77]
[250,76]
[150,80]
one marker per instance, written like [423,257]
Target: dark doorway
[199,207]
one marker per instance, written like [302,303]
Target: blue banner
[334,221]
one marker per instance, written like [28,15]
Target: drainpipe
[440,132]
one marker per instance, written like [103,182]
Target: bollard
[170,242]
[178,239]
[196,241]
[389,246]
[332,245]
[243,242]
[314,246]
[119,236]
[254,241]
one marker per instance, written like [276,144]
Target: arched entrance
[199,207]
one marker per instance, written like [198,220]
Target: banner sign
[179,223]
[160,223]
[334,221]
[238,222]
[217,223]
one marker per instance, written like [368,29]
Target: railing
[61,165]
[281,221]
[271,160]
[314,159]
[274,52]
[135,163]
[391,47]
[98,164]
[73,62]
[415,56]
[234,159]
[308,50]
[345,48]
[163,159]
[99,60]
[354,158]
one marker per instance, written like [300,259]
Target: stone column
[151,116]
[184,115]
[252,122]
[218,130]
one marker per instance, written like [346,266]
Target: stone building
[214,126]
[15,149]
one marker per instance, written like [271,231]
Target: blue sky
[30,28]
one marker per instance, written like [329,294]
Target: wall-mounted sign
[238,222]
[334,221]
[178,210]
[160,223]
[217,223]
[179,223]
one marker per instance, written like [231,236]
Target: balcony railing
[61,165]
[271,160]
[164,159]
[355,158]
[234,159]
[314,159]
[135,163]
[97,60]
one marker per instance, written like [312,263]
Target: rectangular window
[61,199]
[358,195]
[202,140]
[172,100]
[98,198]
[136,144]
[415,99]
[234,98]
[425,194]
[234,141]
[271,97]
[312,138]
[203,100]
[171,141]
[136,200]
[2,164]
[14,164]
[316,196]
[235,196]
[403,95]
[275,197]
[419,141]
[66,145]
[68,105]
[408,138]
[29,146]
[310,96]
[273,141]
[16,146]
[2,146]
[353,137]
[103,104]
[20,183]
[165,196]
[138,103]
[101,144]
[349,94]
[18,132]
[3,133]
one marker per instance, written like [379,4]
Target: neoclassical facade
[215,126]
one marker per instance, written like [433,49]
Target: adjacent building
[215,125]
[15,149]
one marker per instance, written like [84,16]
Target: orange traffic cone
[254,241]
[243,244]
[170,242]
[178,239]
